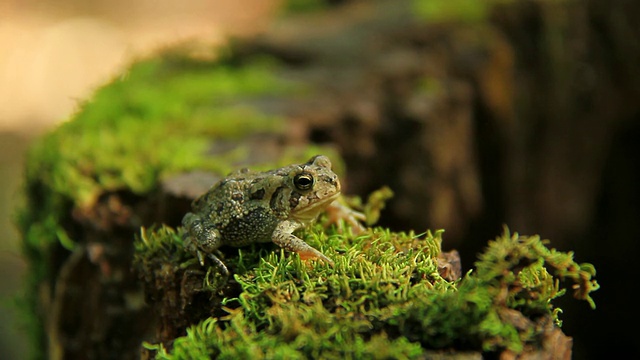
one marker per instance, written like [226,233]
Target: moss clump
[384,298]
[160,117]
[536,270]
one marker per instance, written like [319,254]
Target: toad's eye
[303,181]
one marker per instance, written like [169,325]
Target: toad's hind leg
[283,237]
[202,240]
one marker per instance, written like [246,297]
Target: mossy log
[388,297]
[393,96]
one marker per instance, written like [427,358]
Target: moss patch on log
[385,297]
[134,131]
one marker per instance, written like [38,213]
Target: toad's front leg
[283,237]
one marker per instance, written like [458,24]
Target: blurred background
[569,172]
[52,55]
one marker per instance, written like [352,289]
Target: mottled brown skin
[252,207]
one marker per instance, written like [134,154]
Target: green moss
[383,299]
[528,262]
[156,119]
[453,10]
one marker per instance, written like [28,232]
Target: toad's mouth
[309,212]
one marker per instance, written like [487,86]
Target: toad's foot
[283,237]
[338,211]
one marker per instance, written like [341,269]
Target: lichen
[383,299]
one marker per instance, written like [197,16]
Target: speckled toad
[252,207]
